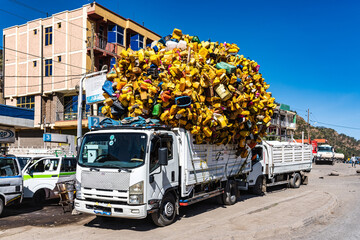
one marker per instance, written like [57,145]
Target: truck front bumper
[111,210]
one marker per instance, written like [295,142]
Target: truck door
[43,174]
[164,177]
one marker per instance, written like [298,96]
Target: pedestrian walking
[353,161]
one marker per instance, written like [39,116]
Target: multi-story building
[283,122]
[45,58]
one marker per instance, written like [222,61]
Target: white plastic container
[153,43]
[170,45]
[181,45]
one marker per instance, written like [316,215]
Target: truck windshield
[324,149]
[8,167]
[113,150]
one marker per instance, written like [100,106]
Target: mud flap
[305,180]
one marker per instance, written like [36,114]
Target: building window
[136,42]
[26,102]
[116,34]
[48,67]
[59,58]
[35,31]
[59,25]
[34,62]
[48,36]
[71,107]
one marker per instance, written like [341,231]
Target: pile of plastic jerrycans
[205,87]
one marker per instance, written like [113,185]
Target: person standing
[353,161]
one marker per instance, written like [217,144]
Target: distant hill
[341,142]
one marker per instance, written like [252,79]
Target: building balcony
[101,45]
[68,120]
[70,116]
[274,121]
[292,125]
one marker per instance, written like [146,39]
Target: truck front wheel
[1,206]
[166,214]
[260,186]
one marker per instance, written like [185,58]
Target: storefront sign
[7,135]
[93,88]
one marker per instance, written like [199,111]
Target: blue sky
[309,51]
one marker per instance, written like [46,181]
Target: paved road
[324,209]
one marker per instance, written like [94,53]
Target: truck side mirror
[163,156]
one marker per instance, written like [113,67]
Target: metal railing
[102,43]
[69,116]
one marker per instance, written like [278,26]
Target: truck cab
[11,184]
[325,154]
[123,169]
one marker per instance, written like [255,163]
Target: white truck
[11,183]
[326,154]
[130,172]
[278,163]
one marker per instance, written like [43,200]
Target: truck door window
[8,167]
[257,154]
[156,143]
[45,165]
[68,165]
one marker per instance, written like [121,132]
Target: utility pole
[308,126]
[92,46]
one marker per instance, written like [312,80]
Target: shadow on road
[121,223]
[50,214]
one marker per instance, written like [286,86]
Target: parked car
[11,183]
[41,177]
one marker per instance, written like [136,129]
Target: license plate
[102,212]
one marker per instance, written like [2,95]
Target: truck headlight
[78,190]
[136,193]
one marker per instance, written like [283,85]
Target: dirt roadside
[284,213]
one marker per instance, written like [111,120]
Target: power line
[76,75]
[30,20]
[37,85]
[13,14]
[334,125]
[38,10]
[40,57]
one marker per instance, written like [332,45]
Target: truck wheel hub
[168,209]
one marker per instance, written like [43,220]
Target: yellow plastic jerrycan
[177,34]
[222,91]
[207,131]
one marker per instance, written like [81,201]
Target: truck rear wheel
[166,214]
[259,188]
[295,181]
[1,206]
[231,193]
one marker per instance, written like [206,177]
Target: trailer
[133,172]
[277,163]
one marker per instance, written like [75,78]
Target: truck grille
[105,180]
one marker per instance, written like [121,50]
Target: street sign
[7,135]
[94,121]
[93,88]
[47,137]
